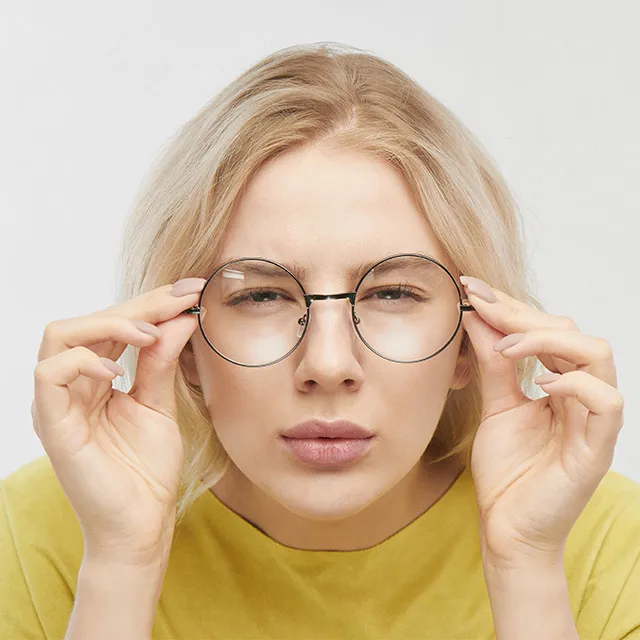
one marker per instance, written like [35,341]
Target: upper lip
[323,429]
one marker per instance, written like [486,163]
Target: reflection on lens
[406,310]
[253,308]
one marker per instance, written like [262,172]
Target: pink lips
[328,444]
[322,429]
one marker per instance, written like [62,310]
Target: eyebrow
[354,272]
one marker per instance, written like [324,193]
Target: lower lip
[328,452]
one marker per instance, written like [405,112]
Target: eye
[395,293]
[254,296]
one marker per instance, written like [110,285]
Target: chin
[327,498]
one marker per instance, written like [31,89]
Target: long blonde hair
[350,99]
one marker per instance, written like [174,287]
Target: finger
[52,402]
[604,402]
[62,335]
[153,307]
[154,384]
[86,331]
[510,315]
[499,379]
[588,353]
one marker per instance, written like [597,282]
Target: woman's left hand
[536,463]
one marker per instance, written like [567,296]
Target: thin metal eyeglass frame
[310,297]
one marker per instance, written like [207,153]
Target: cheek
[240,400]
[235,398]
[419,392]
[423,394]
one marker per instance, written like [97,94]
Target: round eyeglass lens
[253,309]
[407,308]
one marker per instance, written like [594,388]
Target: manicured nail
[187,285]
[114,367]
[508,341]
[147,327]
[479,288]
[546,378]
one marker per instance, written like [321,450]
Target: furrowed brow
[354,272]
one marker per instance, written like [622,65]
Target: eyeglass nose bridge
[310,297]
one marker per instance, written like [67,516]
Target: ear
[462,372]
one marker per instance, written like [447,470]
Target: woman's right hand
[118,456]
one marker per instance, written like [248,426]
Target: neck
[422,487]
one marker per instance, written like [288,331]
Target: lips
[322,429]
[328,453]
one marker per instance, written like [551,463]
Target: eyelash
[400,289]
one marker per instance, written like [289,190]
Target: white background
[91,90]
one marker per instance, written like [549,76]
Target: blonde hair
[332,94]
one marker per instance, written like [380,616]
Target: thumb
[154,384]
[499,381]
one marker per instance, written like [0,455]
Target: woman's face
[326,211]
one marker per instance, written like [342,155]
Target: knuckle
[513,313]
[40,372]
[617,403]
[514,310]
[564,322]
[53,330]
[603,349]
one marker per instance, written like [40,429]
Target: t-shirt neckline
[430,519]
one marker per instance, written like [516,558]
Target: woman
[333,230]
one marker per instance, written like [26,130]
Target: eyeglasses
[406,308]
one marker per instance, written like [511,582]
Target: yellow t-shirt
[228,580]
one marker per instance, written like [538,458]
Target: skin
[328,210]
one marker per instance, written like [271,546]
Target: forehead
[407,265]
[316,209]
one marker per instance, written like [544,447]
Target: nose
[329,355]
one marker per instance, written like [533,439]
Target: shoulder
[32,487]
[35,509]
[616,501]
[612,516]
[602,559]
[41,548]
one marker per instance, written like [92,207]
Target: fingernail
[479,288]
[187,285]
[508,341]
[546,378]
[147,327]
[112,366]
